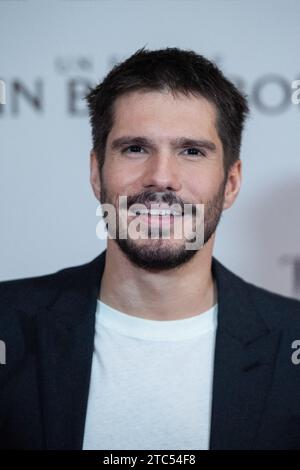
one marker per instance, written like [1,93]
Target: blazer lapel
[245,354]
[65,342]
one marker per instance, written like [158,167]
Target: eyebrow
[175,143]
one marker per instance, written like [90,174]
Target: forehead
[160,113]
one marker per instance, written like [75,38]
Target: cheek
[122,179]
[202,188]
[116,183]
[202,180]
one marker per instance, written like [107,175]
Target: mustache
[169,198]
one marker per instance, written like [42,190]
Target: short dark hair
[176,70]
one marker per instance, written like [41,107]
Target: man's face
[164,150]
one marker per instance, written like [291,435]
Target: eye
[194,152]
[133,149]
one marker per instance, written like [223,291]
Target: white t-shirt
[151,382]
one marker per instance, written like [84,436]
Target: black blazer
[47,323]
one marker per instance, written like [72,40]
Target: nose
[162,173]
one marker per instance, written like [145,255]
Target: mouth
[157,211]
[158,217]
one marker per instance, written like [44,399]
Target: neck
[167,295]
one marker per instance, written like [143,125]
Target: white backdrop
[50,50]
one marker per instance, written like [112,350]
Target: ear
[95,174]
[233,184]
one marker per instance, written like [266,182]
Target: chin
[160,254]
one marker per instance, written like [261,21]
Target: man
[154,344]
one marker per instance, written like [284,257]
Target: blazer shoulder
[274,307]
[37,290]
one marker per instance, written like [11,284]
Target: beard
[161,254]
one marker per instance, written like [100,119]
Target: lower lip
[157,219]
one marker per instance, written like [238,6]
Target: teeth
[157,212]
